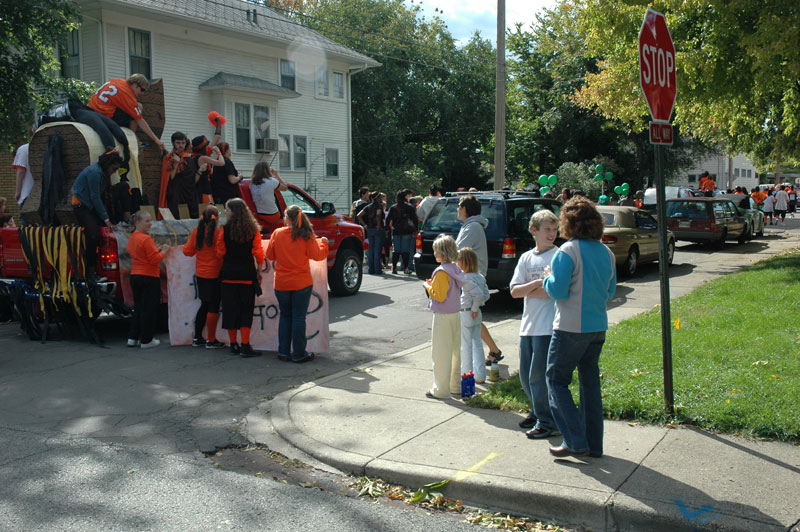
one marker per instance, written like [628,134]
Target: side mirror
[328,208]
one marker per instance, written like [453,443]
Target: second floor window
[242,127]
[139,52]
[322,82]
[70,56]
[287,74]
[338,85]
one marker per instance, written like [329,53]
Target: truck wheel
[346,274]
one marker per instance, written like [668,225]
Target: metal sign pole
[663,271]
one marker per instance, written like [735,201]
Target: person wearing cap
[117,99]
[426,205]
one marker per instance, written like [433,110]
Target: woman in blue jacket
[581,279]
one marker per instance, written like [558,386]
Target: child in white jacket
[474,293]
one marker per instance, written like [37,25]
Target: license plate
[684,225]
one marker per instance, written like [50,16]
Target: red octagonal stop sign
[657,66]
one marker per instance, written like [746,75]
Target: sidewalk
[376,421]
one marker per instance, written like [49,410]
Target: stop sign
[657,66]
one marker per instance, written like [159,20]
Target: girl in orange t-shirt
[240,275]
[291,247]
[145,281]
[202,244]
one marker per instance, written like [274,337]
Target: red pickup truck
[345,256]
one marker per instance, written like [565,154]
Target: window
[284,155]
[242,127]
[692,178]
[735,172]
[331,162]
[70,56]
[261,122]
[322,82]
[287,74]
[338,85]
[139,52]
[749,172]
[299,152]
[290,197]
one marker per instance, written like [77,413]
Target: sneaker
[247,351]
[537,433]
[394,271]
[529,422]
[235,349]
[308,358]
[155,342]
[216,344]
[198,342]
[132,342]
[407,271]
[284,358]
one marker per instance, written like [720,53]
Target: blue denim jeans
[472,356]
[293,306]
[582,428]
[375,238]
[532,367]
[402,247]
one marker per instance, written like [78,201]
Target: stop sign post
[658,81]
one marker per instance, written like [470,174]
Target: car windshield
[686,209]
[290,197]
[608,219]
[444,218]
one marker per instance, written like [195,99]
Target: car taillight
[419,243]
[608,239]
[509,248]
[109,258]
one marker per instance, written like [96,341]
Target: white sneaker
[152,343]
[132,342]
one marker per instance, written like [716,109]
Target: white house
[284,88]
[728,172]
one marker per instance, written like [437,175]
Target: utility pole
[500,100]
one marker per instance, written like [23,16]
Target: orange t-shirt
[116,93]
[292,271]
[208,262]
[144,255]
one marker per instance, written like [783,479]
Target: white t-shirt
[539,312]
[264,196]
[781,200]
[21,161]
[425,206]
[769,203]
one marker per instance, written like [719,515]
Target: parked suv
[507,235]
[709,220]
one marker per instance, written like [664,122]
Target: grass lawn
[736,358]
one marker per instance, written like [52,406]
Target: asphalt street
[112,438]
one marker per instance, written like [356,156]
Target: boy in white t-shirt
[536,326]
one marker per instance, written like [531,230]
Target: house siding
[91,58]
[184,63]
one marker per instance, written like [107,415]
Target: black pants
[146,297]
[106,128]
[238,301]
[91,223]
[209,292]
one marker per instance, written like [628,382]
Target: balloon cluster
[544,181]
[599,175]
[623,189]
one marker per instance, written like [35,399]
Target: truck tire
[346,275]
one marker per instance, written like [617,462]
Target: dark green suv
[507,235]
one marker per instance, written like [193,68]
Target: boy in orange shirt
[145,281]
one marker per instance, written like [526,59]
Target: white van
[670,192]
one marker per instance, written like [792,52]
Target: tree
[29,31]
[548,129]
[737,70]
[429,106]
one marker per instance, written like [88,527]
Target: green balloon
[609,176]
[625,187]
[603,200]
[552,180]
[598,177]
[543,180]
[599,168]
[544,190]
[618,189]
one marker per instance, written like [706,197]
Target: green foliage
[58,90]
[29,31]
[430,105]
[737,70]
[735,366]
[413,178]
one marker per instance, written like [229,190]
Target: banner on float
[183,305]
